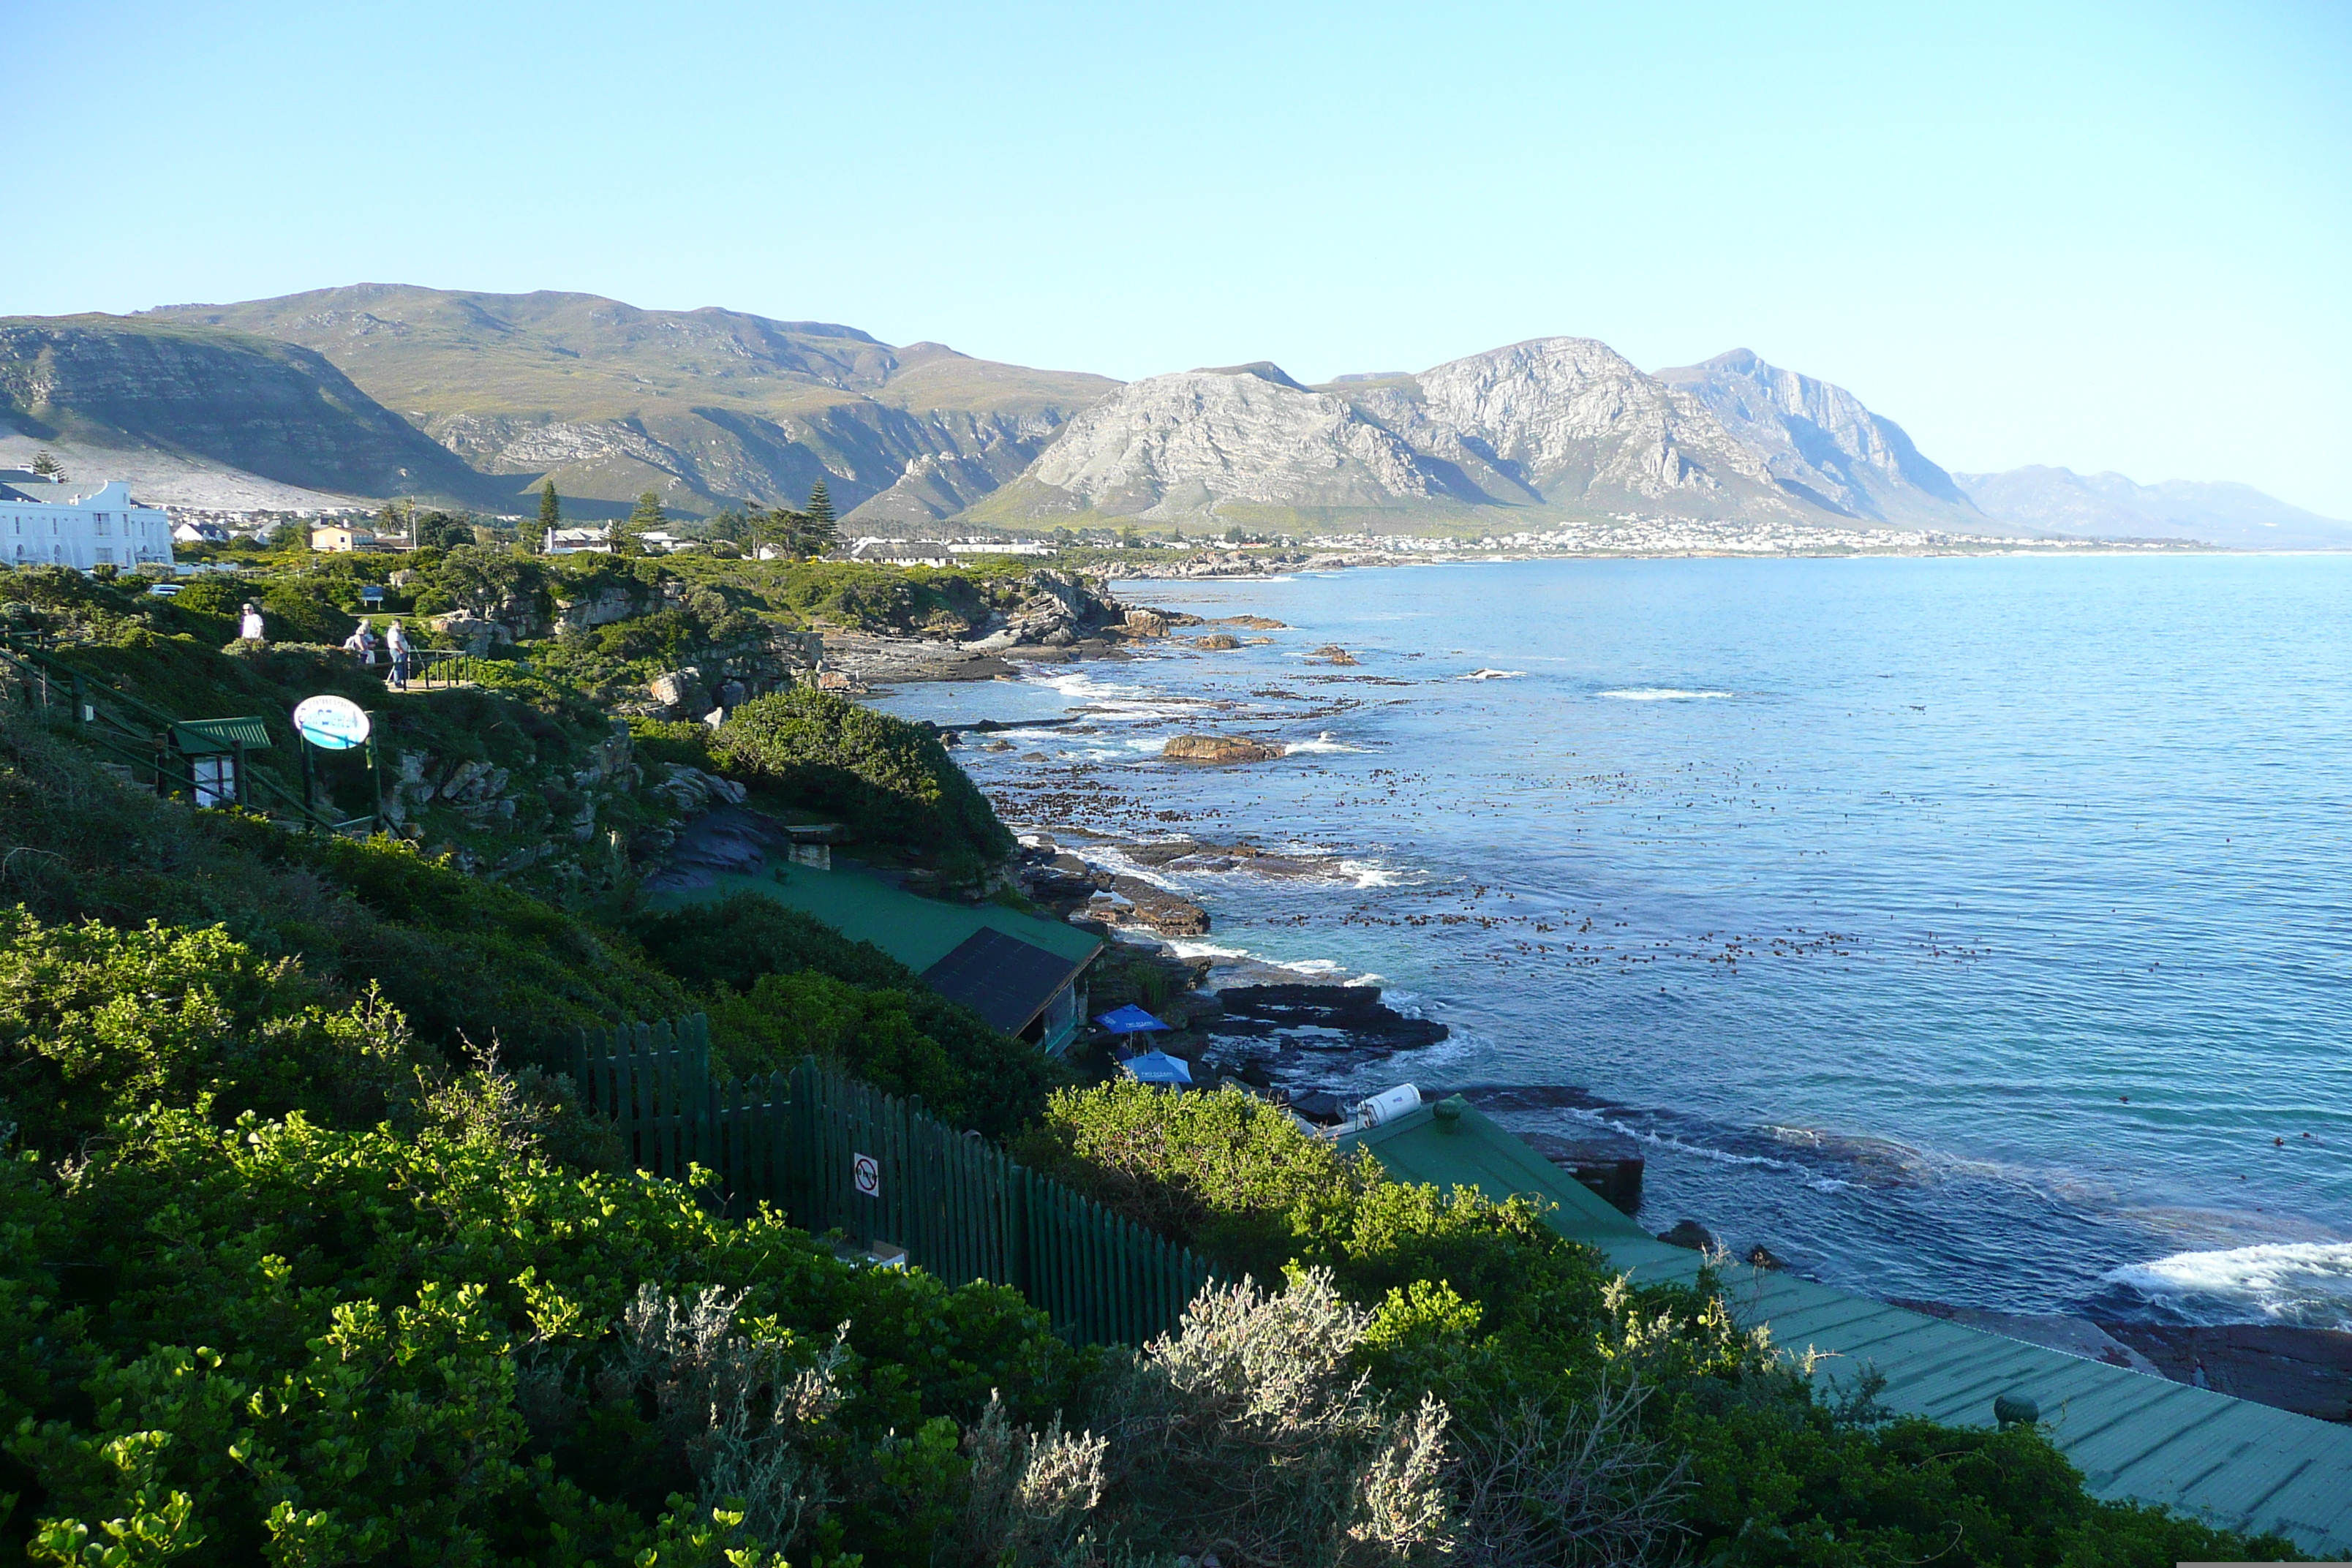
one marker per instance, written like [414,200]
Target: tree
[49,468]
[815,531]
[645,517]
[550,510]
[820,506]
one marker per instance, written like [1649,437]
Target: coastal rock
[1333,654]
[1146,623]
[1133,903]
[1323,1017]
[1217,749]
[1691,1233]
[2308,1371]
[1251,623]
[1216,643]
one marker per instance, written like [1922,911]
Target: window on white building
[102,524]
[106,555]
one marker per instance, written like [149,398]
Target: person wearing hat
[248,627]
[395,643]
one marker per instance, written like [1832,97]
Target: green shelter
[1020,973]
[2135,1436]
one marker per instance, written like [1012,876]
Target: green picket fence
[835,1155]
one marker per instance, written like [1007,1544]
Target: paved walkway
[2133,1435]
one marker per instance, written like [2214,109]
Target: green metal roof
[917,932]
[200,736]
[2136,1437]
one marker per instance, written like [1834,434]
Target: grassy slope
[268,407]
[762,408]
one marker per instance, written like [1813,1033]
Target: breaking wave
[2308,1283]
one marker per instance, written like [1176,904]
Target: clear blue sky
[2098,236]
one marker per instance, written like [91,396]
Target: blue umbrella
[1157,1066]
[1129,1020]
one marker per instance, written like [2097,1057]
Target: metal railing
[138,735]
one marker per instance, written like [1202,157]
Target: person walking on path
[248,626]
[395,643]
[360,644]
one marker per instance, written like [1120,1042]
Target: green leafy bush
[97,1024]
[891,779]
[299,1344]
[1481,1306]
[757,963]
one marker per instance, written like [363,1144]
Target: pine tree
[49,468]
[644,518]
[817,531]
[551,512]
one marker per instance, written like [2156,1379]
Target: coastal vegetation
[310,1256]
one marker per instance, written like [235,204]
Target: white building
[592,541]
[44,523]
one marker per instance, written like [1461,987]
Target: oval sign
[331,723]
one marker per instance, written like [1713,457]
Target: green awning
[200,737]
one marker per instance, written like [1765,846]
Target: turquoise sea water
[1974,929]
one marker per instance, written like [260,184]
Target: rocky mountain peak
[1820,444]
[1176,446]
[1264,368]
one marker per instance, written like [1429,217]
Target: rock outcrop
[1823,446]
[1217,749]
[1175,446]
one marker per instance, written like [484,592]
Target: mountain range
[378,390]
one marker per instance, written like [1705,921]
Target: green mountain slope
[267,407]
[702,407]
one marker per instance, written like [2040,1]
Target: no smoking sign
[865,1174]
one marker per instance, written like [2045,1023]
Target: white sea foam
[1660,694]
[2304,1282]
[1494,675]
[1372,874]
[1321,742]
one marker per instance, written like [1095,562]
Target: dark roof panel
[1004,979]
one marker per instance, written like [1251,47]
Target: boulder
[680,693]
[1216,643]
[1217,749]
[1332,653]
[1146,623]
[1691,1233]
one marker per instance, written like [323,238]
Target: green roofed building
[1021,974]
[2135,1435]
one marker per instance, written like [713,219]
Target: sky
[2103,236]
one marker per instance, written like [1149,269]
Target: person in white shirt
[395,643]
[249,623]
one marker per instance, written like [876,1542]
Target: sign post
[330,723]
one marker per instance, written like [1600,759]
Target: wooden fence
[838,1155]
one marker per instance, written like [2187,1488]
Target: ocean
[1970,930]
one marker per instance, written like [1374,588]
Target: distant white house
[902,551]
[46,524]
[200,533]
[591,540]
[662,540]
[1002,547]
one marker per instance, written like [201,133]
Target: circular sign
[331,723]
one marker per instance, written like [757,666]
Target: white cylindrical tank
[1388,1105]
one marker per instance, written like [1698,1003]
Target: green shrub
[313,1345]
[892,780]
[903,1036]
[457,954]
[97,1024]
[1484,1307]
